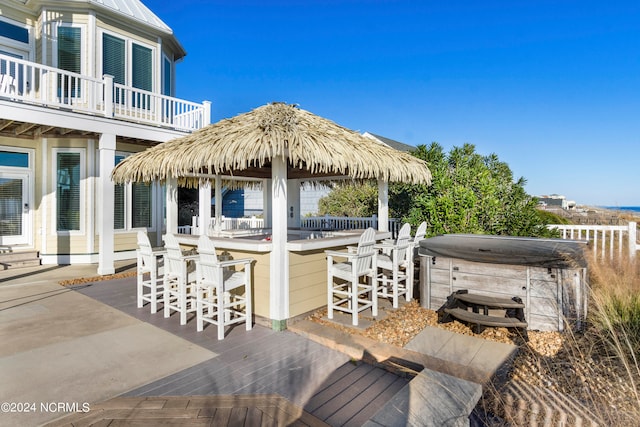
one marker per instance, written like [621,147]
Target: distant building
[556,201]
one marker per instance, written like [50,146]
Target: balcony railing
[29,82]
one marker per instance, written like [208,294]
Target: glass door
[14,209]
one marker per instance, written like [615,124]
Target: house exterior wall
[42,20]
[308,280]
[260,269]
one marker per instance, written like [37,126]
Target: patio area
[132,365]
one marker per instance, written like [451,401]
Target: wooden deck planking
[322,381]
[374,397]
[338,410]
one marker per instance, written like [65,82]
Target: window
[69,59]
[133,204]
[141,203]
[14,159]
[14,32]
[11,198]
[166,76]
[68,194]
[130,64]
[141,67]
[141,74]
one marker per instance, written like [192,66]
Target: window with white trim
[69,58]
[166,76]
[69,189]
[131,64]
[133,204]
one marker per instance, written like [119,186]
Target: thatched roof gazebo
[245,146]
[276,144]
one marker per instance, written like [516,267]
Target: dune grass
[597,368]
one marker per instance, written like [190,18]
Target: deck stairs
[12,259]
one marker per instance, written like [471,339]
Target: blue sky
[551,87]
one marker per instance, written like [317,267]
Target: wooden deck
[322,382]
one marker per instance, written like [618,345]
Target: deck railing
[326,223]
[605,239]
[42,85]
[226,224]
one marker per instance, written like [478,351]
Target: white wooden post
[279,271]
[218,192]
[206,119]
[108,95]
[204,207]
[172,205]
[105,203]
[633,246]
[383,205]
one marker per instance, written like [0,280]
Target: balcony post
[206,113]
[108,95]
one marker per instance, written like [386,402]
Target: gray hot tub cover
[552,253]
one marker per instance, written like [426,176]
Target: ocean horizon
[623,208]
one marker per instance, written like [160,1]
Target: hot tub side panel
[552,296]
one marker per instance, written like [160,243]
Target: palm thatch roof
[244,145]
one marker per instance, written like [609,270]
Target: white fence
[604,239]
[328,222]
[29,82]
[308,223]
[226,224]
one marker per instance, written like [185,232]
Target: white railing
[226,224]
[308,223]
[29,82]
[604,238]
[328,222]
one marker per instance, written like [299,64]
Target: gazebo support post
[279,268]
[383,205]
[204,207]
[218,192]
[172,205]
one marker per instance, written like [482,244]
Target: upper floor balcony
[39,85]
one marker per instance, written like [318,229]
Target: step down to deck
[18,259]
[485,320]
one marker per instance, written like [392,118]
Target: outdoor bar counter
[307,287]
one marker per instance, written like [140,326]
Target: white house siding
[309,198]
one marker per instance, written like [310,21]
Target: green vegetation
[616,300]
[469,193]
[351,199]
